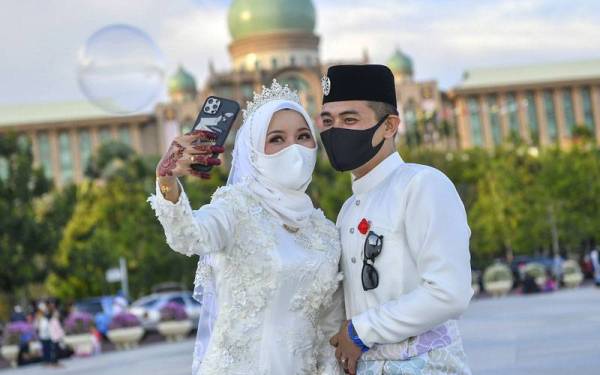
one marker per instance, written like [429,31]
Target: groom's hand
[333,341]
[346,352]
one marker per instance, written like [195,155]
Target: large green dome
[251,17]
[400,63]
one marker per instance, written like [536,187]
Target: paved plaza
[550,334]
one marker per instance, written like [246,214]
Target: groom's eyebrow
[349,112]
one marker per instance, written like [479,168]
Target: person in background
[42,325]
[57,334]
[586,266]
[551,284]
[557,267]
[119,304]
[27,336]
[596,265]
[529,285]
[97,341]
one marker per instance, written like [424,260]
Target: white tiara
[275,92]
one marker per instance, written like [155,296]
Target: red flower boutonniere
[363,226]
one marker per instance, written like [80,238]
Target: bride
[269,259]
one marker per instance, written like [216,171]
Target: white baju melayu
[277,294]
[424,267]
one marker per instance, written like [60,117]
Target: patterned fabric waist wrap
[438,337]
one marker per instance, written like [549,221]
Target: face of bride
[287,127]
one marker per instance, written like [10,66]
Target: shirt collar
[377,174]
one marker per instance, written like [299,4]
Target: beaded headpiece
[275,92]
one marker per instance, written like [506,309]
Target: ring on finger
[192,158]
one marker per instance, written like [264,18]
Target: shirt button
[353,260]
[351,230]
[358,202]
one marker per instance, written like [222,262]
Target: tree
[111,220]
[108,159]
[23,242]
[521,200]
[583,134]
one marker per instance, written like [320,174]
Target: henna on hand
[204,159]
[169,163]
[202,175]
[202,137]
[208,149]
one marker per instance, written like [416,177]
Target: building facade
[551,104]
[64,136]
[275,39]
[270,40]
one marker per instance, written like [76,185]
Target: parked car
[147,308]
[101,309]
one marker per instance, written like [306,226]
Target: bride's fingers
[207,149]
[203,159]
[202,175]
[202,134]
[170,159]
[185,169]
[197,137]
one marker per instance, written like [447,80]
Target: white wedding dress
[279,296]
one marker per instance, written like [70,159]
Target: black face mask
[348,149]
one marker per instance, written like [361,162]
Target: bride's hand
[195,147]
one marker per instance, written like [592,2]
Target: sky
[40,39]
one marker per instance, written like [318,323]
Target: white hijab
[290,207]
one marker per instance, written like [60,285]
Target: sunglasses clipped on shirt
[372,249]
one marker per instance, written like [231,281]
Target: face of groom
[351,114]
[362,115]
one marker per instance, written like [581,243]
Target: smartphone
[217,115]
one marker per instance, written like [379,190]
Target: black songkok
[359,82]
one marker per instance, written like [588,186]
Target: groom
[405,238]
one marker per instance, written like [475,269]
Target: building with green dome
[268,34]
[421,103]
[181,85]
[270,39]
[401,65]
[247,18]
[275,39]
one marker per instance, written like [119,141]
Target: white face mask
[290,168]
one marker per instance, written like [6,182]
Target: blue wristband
[355,339]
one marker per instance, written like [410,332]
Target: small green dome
[251,17]
[400,63]
[181,81]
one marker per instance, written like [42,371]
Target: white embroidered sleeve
[208,229]
[331,316]
[438,238]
